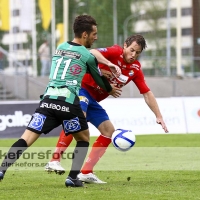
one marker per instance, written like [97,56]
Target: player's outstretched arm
[153,105]
[101,59]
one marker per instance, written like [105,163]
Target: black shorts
[51,113]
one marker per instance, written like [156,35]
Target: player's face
[131,52]
[91,37]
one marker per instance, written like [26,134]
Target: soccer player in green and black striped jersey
[69,64]
[60,103]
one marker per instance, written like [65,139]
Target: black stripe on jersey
[106,83]
[46,96]
[61,98]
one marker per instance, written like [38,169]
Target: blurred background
[171,62]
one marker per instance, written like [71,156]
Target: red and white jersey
[130,72]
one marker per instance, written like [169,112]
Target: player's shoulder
[116,48]
[64,44]
[111,49]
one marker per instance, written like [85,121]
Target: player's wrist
[109,64]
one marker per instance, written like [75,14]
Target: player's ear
[84,34]
[125,45]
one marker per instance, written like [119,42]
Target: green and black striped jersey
[69,64]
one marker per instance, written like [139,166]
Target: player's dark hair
[83,23]
[139,39]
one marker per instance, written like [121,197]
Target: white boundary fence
[181,114]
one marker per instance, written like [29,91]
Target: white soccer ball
[123,140]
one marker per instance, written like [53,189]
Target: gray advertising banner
[14,117]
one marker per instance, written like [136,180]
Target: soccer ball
[123,140]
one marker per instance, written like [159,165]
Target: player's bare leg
[54,164]
[16,150]
[98,149]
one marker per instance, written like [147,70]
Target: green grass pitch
[158,167]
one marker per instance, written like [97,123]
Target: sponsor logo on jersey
[131,73]
[122,78]
[98,89]
[117,83]
[54,107]
[71,125]
[102,49]
[68,54]
[83,99]
[73,82]
[75,69]
[37,121]
[137,67]
[17,120]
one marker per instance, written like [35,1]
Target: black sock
[13,154]
[80,153]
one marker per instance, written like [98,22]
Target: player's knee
[82,136]
[108,133]
[106,128]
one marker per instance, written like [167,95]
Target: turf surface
[158,167]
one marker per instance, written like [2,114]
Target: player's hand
[115,69]
[116,92]
[106,73]
[162,123]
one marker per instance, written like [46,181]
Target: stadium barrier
[181,115]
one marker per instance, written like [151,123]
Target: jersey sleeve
[110,52]
[95,72]
[141,83]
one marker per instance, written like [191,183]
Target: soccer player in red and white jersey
[90,94]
